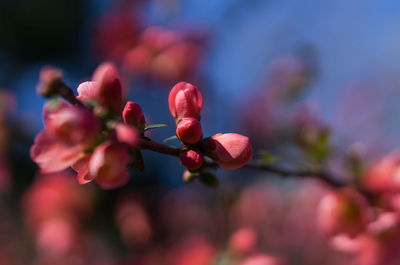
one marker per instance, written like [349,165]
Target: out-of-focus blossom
[230,150]
[193,251]
[243,241]
[343,211]
[115,33]
[164,55]
[260,259]
[384,174]
[378,245]
[54,208]
[133,222]
[185,100]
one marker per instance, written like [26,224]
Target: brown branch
[67,93]
[165,149]
[325,177]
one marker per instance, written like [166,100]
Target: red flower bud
[344,211]
[109,91]
[229,150]
[189,131]
[191,159]
[133,115]
[185,100]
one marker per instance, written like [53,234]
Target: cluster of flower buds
[89,136]
[230,150]
[99,138]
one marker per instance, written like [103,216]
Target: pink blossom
[133,115]
[191,159]
[195,250]
[243,241]
[185,100]
[108,165]
[189,130]
[230,150]
[177,62]
[68,133]
[133,222]
[384,174]
[343,211]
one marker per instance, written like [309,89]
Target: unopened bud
[191,159]
[189,130]
[133,115]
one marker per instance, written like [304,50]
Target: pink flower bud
[189,130]
[109,91]
[229,150]
[133,115]
[50,80]
[127,135]
[191,159]
[344,211]
[185,100]
[108,165]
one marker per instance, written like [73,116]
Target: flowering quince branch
[99,138]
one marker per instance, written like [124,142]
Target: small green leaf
[154,126]
[170,138]
[267,158]
[209,179]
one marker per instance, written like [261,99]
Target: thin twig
[325,177]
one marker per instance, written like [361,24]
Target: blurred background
[310,82]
